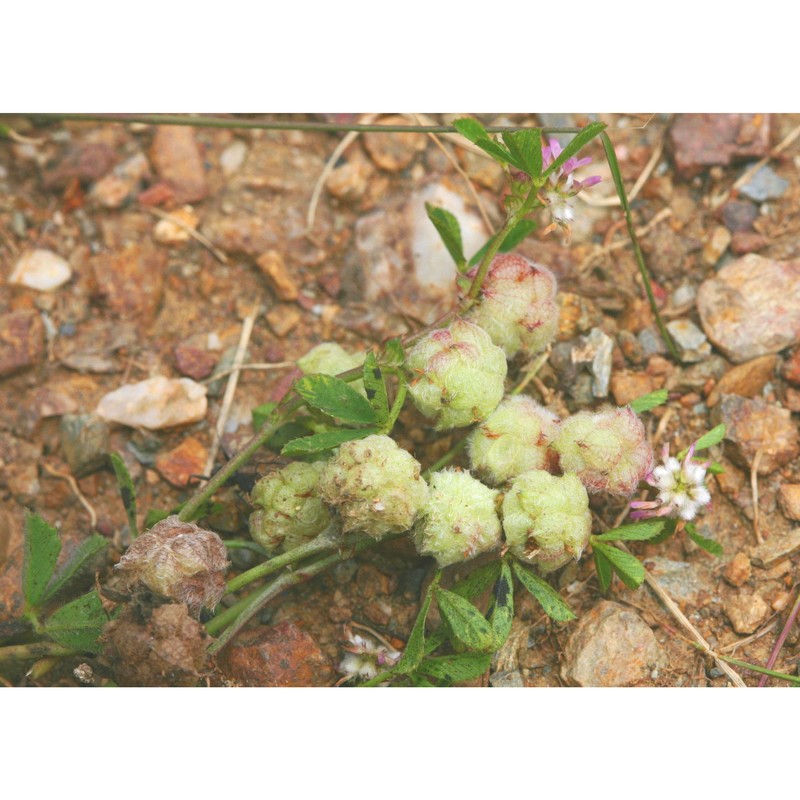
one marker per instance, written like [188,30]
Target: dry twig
[754,489]
[196,235]
[73,484]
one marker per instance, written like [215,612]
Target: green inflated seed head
[513,439]
[374,485]
[329,358]
[546,519]
[608,450]
[517,305]
[289,511]
[456,375]
[459,521]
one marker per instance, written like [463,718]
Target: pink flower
[563,185]
[681,488]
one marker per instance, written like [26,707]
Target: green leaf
[634,532]
[392,354]
[670,526]
[289,431]
[478,581]
[375,388]
[415,646]
[715,468]
[458,668]
[714,436]
[709,545]
[605,572]
[450,232]
[261,413]
[578,142]
[127,491]
[526,147]
[79,623]
[42,546]
[320,442]
[627,566]
[467,624]
[501,613]
[648,401]
[335,398]
[87,550]
[498,152]
[550,600]
[470,129]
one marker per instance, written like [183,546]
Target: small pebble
[692,343]
[155,403]
[233,157]
[41,270]
[766,184]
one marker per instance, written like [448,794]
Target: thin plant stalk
[781,639]
[23,652]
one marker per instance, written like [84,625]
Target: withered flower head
[179,561]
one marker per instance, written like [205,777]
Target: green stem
[611,156]
[400,398]
[244,544]
[24,652]
[446,458]
[327,540]
[255,124]
[218,623]
[526,207]
[763,670]
[258,600]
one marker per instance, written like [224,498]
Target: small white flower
[365,659]
[681,488]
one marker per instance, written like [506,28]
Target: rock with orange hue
[131,281]
[178,161]
[181,465]
[21,341]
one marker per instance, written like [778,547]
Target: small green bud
[459,521]
[513,439]
[288,511]
[608,450]
[329,358]
[375,486]
[457,375]
[546,519]
[518,305]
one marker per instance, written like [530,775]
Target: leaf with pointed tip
[260,414]
[457,668]
[415,646]
[478,581]
[42,546]
[501,612]
[580,140]
[549,599]
[633,532]
[526,147]
[127,491]
[627,566]
[86,551]
[713,437]
[392,354]
[648,401]
[335,398]
[467,624]
[470,129]
[605,572]
[709,545]
[512,239]
[450,233]
[79,623]
[320,442]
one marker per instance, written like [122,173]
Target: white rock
[42,270]
[233,156]
[155,403]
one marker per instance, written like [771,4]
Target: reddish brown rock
[181,465]
[627,386]
[611,646]
[276,655]
[737,571]
[745,242]
[273,268]
[122,182]
[19,467]
[791,367]
[131,281]
[745,380]
[790,500]
[704,140]
[394,151]
[193,361]
[21,341]
[84,162]
[283,319]
[178,161]
[240,234]
[751,307]
[753,426]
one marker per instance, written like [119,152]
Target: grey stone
[505,680]
[776,548]
[84,440]
[682,581]
[692,343]
[766,184]
[651,341]
[684,295]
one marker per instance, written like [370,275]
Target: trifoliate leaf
[42,546]
[550,600]
[334,397]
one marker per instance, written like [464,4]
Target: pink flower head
[563,185]
[681,488]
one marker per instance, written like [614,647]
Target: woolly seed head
[608,450]
[518,305]
[513,439]
[329,358]
[459,521]
[374,485]
[288,511]
[456,375]
[546,519]
[179,561]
